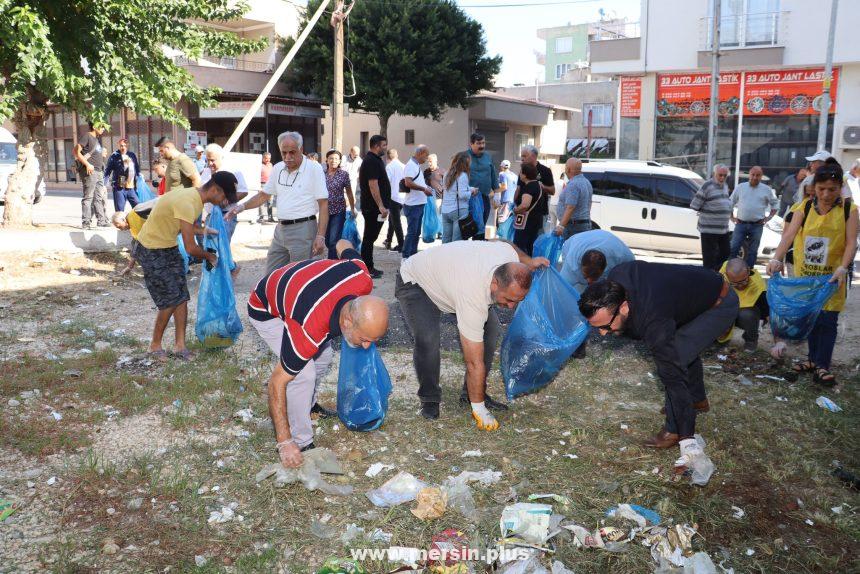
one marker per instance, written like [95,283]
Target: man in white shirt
[215,162]
[394,169]
[301,202]
[852,180]
[352,163]
[465,278]
[416,199]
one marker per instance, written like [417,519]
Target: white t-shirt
[415,197]
[394,169]
[352,166]
[241,186]
[456,276]
[296,194]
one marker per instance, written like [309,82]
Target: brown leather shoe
[700,407]
[663,439]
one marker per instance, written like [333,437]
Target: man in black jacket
[122,170]
[677,310]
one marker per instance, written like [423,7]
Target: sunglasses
[608,326]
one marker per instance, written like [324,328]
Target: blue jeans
[333,231]
[450,227]
[414,216]
[822,339]
[120,196]
[749,233]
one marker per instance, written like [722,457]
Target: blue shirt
[576,193]
[200,164]
[482,173]
[510,179]
[615,251]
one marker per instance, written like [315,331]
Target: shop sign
[689,95]
[230,110]
[298,111]
[631,97]
[787,92]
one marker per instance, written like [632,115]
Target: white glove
[483,418]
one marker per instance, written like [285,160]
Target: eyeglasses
[284,178]
[742,283]
[608,326]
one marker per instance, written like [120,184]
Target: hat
[227,182]
[506,163]
[821,155]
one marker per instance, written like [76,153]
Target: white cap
[506,163]
[821,155]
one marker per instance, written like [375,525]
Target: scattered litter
[472,453]
[750,552]
[738,512]
[378,535]
[559,568]
[341,566]
[809,522]
[7,509]
[405,555]
[826,403]
[624,427]
[135,503]
[745,381]
[403,487]
[583,538]
[460,496]
[563,500]
[449,545]
[317,461]
[57,416]
[771,378]
[376,468]
[696,463]
[571,456]
[51,481]
[782,399]
[722,357]
[525,521]
[14,402]
[701,563]
[200,561]
[432,502]
[850,479]
[111,511]
[834,510]
[352,532]
[110,547]
[321,529]
[247,415]
[638,514]
[226,514]
[485,477]
[72,373]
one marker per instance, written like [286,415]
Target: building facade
[770,86]
[566,47]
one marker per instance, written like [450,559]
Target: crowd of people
[317,286]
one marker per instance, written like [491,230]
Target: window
[629,186]
[563,45]
[561,70]
[673,192]
[746,23]
[601,115]
[409,137]
[521,140]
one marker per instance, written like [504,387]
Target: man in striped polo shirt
[714,205]
[297,309]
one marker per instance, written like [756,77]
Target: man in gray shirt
[574,204]
[714,206]
[756,203]
[788,189]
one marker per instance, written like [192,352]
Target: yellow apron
[746,297]
[819,247]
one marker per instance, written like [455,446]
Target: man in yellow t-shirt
[752,295]
[163,267]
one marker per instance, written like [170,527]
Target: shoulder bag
[468,225]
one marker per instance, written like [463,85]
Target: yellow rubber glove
[484,420]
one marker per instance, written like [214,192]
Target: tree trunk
[24,184]
[383,124]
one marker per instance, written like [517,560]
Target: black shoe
[272,220]
[489,402]
[309,446]
[387,245]
[375,273]
[323,412]
[430,411]
[397,248]
[580,352]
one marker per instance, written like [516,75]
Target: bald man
[297,309]
[574,203]
[755,203]
[465,278]
[752,296]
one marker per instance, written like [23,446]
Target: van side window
[673,192]
[629,186]
[598,184]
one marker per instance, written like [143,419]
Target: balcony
[242,64]
[614,42]
[746,39]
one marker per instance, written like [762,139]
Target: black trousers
[715,249]
[372,227]
[423,320]
[395,225]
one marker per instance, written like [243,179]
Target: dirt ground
[142,453]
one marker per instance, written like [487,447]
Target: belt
[751,222]
[724,291]
[581,221]
[299,220]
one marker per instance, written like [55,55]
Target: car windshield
[696,181]
[8,154]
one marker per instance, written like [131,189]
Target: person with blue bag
[823,231]
[483,176]
[418,195]
[457,222]
[297,310]
[466,278]
[654,302]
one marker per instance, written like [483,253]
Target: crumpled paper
[317,461]
[432,502]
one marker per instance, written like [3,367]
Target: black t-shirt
[373,168]
[90,144]
[532,189]
[545,177]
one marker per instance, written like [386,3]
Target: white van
[9,162]
[647,204]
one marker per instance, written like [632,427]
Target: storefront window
[683,142]
[628,147]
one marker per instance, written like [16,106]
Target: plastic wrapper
[476,210]
[363,386]
[403,487]
[460,496]
[449,548]
[142,189]
[506,229]
[341,566]
[795,303]
[350,231]
[527,521]
[218,324]
[431,227]
[545,331]
[828,404]
[549,245]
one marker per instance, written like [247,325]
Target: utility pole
[337,19]
[828,76]
[713,116]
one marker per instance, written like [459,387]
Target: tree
[409,57]
[98,56]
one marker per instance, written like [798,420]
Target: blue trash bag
[506,229]
[144,192]
[431,227]
[476,209]
[181,244]
[548,245]
[545,331]
[795,303]
[350,231]
[218,324]
[363,386]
